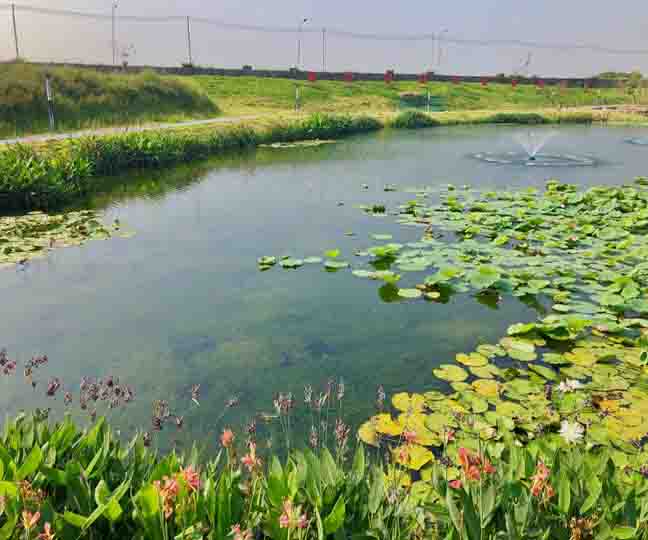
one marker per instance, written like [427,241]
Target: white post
[50,101]
[323,50]
[297,98]
[114,39]
[15,30]
[189,41]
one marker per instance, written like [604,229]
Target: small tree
[634,85]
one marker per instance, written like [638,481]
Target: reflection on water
[182,303]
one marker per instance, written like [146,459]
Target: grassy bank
[87,99]
[63,171]
[245,95]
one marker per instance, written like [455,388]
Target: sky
[47,37]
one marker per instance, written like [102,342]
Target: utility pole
[299,36]
[323,50]
[440,45]
[15,30]
[114,39]
[189,41]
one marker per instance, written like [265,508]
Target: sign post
[50,101]
[15,30]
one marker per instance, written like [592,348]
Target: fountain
[641,141]
[532,143]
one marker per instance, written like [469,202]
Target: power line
[330,32]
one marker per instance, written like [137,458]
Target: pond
[183,301]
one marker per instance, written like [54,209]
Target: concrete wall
[303,76]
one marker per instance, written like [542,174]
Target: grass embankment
[85,98]
[245,95]
[61,172]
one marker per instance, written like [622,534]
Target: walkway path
[129,129]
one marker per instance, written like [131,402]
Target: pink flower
[250,460]
[227,438]
[450,436]
[489,468]
[192,478]
[47,533]
[284,521]
[409,436]
[455,484]
[241,535]
[30,520]
[302,522]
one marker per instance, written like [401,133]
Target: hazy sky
[621,25]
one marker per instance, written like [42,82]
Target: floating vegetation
[297,144]
[577,374]
[32,236]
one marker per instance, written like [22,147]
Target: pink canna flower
[30,520]
[409,436]
[455,484]
[47,533]
[227,438]
[250,460]
[192,478]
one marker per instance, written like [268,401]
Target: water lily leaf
[332,254]
[336,265]
[484,277]
[450,373]
[486,372]
[386,425]
[410,293]
[521,328]
[313,260]
[409,402]
[472,359]
[290,263]
[368,433]
[267,261]
[381,237]
[486,387]
[544,372]
[412,456]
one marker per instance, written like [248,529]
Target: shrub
[413,120]
[516,118]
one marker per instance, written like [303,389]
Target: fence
[52,35]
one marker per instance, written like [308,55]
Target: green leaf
[335,519]
[564,494]
[75,519]
[31,464]
[594,487]
[623,532]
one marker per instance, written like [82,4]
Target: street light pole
[440,45]
[299,35]
[114,40]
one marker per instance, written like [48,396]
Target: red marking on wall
[312,76]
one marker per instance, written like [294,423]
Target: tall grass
[87,98]
[30,178]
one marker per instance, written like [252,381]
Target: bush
[516,118]
[413,120]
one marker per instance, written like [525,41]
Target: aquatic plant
[413,120]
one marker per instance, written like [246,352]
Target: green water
[183,302]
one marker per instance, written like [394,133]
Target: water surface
[182,302]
